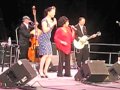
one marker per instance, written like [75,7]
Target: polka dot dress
[45,47]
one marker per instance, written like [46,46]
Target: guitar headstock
[34,10]
[98,33]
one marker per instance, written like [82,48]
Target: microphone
[32,23]
[54,19]
[73,27]
[118,23]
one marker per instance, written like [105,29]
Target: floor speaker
[114,72]
[18,75]
[95,71]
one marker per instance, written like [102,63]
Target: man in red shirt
[63,38]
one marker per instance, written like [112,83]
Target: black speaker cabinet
[95,71]
[18,75]
[114,72]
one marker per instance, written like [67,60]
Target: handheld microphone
[118,23]
[73,27]
[32,23]
[54,19]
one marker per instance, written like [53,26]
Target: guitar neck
[97,34]
[89,37]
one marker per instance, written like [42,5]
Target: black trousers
[24,51]
[82,55]
[64,58]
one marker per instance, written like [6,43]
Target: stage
[64,83]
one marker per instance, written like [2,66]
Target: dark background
[101,15]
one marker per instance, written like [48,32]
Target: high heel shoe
[46,76]
[42,76]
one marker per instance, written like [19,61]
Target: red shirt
[67,36]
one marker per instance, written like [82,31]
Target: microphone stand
[17,49]
[16,32]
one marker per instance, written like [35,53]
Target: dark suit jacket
[78,32]
[24,35]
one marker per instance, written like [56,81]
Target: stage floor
[64,83]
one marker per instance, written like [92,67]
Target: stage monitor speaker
[18,75]
[95,71]
[114,72]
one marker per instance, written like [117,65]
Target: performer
[24,35]
[45,48]
[81,54]
[63,38]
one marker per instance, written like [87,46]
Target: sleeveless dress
[45,47]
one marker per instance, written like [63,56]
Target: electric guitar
[79,44]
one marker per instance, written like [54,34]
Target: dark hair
[80,18]
[48,9]
[62,20]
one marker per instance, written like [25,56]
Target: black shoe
[46,76]
[59,75]
[67,75]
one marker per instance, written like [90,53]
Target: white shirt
[26,25]
[81,27]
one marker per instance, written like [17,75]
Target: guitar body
[81,43]
[84,40]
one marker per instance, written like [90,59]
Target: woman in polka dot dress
[45,48]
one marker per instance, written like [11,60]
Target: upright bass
[32,51]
